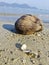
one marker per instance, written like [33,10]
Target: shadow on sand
[10,28]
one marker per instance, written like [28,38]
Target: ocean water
[15,13]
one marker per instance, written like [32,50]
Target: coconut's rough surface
[28,24]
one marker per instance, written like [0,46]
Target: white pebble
[23,47]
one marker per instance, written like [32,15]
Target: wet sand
[10,54]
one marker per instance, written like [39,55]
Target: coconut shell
[28,24]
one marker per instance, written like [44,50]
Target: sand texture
[10,54]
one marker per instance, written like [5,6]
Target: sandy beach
[10,41]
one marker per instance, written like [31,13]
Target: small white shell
[23,47]
[28,51]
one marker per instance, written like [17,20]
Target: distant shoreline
[6,17]
[9,14]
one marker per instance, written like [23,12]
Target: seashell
[28,52]
[23,47]
[31,54]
